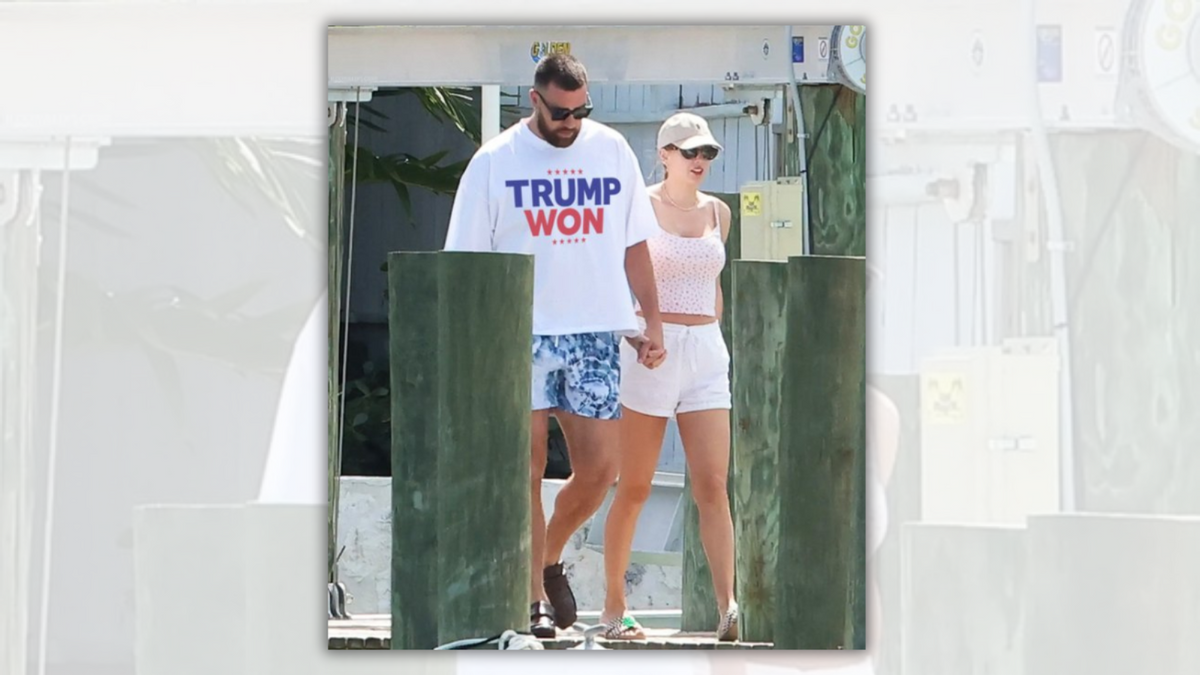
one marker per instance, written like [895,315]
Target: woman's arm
[725,218]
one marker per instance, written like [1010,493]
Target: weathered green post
[460,326]
[822,455]
[759,310]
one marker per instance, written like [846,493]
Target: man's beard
[555,138]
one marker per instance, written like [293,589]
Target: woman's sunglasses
[708,152]
[560,114]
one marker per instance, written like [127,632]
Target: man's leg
[546,389]
[588,412]
[593,446]
[540,430]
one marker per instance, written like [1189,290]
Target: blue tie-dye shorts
[580,374]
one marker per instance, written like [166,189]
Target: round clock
[1162,41]
[848,57]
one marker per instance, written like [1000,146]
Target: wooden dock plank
[374,632]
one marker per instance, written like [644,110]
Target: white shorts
[693,377]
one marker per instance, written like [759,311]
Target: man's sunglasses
[708,152]
[560,114]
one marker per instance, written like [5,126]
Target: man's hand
[640,271]
[649,345]
[650,353]
[656,351]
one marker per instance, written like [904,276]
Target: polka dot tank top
[686,269]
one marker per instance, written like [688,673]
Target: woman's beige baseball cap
[686,131]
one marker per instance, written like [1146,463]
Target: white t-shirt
[575,209]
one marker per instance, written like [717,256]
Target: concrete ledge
[652,582]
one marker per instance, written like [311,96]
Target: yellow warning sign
[944,397]
[751,204]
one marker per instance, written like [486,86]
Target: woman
[691,384]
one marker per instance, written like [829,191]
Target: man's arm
[640,225]
[471,222]
[640,271]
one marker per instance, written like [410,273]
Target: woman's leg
[641,444]
[705,435]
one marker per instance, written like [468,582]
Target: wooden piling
[821,559]
[760,291]
[835,119]
[460,327]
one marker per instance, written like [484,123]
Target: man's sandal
[623,628]
[558,591]
[541,620]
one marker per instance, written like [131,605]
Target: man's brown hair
[563,70]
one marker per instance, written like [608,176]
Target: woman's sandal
[727,629]
[623,628]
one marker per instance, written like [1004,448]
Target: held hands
[649,346]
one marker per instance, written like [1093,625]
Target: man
[570,192]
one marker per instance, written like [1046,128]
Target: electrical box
[990,451]
[772,223]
